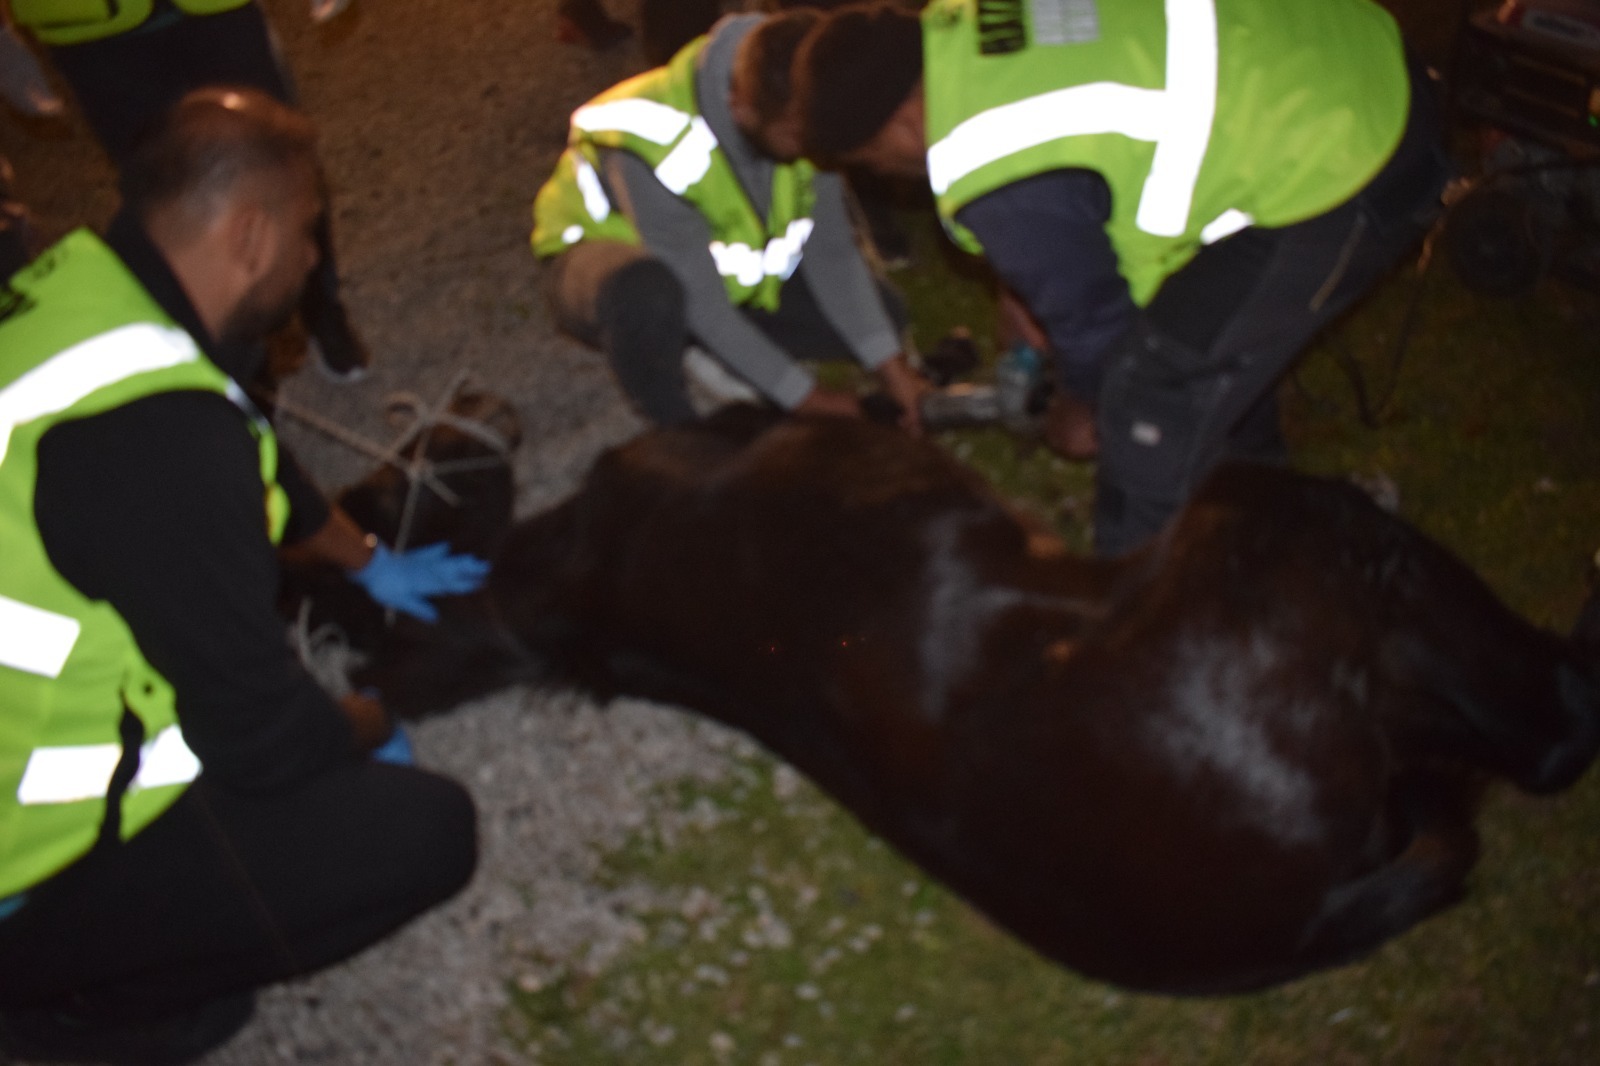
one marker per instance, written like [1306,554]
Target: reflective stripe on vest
[1226,224]
[690,161]
[595,200]
[779,258]
[686,164]
[83,771]
[68,377]
[32,639]
[1177,119]
[655,122]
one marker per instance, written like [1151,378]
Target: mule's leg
[1433,816]
[1581,683]
[1586,630]
[1479,682]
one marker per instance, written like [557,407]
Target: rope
[325,652]
[420,420]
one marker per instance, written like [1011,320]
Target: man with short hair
[679,211]
[1182,192]
[184,814]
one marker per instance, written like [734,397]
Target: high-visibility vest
[1203,116]
[77,21]
[79,336]
[656,117]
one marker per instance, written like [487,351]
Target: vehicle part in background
[1532,68]
[1529,72]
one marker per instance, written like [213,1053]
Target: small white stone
[785,783]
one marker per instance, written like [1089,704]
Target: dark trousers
[1192,383]
[619,298]
[123,84]
[227,891]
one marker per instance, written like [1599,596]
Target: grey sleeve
[678,235]
[844,285]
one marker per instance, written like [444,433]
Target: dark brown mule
[450,480]
[1247,752]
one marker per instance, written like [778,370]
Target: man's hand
[906,387]
[1069,428]
[829,402]
[340,542]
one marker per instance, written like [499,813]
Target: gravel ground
[440,119]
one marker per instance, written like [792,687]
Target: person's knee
[642,298]
[435,830]
[1151,428]
[455,845]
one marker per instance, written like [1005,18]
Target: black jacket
[156,508]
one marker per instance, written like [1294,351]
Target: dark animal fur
[476,521]
[1247,752]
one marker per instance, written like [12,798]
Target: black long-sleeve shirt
[156,508]
[1046,238]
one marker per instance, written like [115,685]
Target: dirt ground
[440,119]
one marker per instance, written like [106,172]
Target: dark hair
[769,50]
[211,142]
[853,73]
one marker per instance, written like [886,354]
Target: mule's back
[1188,770]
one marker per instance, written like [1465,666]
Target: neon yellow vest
[77,21]
[656,116]
[79,336]
[1203,116]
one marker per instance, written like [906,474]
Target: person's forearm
[846,289]
[339,542]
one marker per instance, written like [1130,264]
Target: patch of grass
[793,937]
[1492,436]
[1034,479]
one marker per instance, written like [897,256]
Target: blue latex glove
[404,581]
[397,749]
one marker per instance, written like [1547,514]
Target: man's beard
[259,315]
